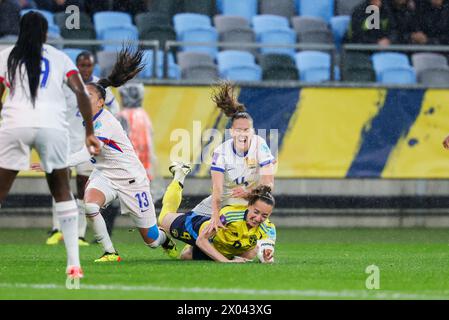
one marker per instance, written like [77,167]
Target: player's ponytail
[28,51]
[128,65]
[226,101]
[262,193]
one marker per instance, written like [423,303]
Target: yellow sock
[171,201]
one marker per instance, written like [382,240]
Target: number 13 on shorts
[142,197]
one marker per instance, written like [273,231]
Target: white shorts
[51,145]
[204,207]
[135,200]
[84,169]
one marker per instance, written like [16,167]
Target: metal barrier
[331,48]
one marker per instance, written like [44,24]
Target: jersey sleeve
[264,156]
[218,160]
[268,230]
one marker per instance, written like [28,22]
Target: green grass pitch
[310,264]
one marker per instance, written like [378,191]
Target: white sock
[179,176]
[67,212]
[55,219]
[99,227]
[82,222]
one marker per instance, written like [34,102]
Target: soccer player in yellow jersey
[243,225]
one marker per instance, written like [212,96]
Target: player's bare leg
[7,178]
[67,211]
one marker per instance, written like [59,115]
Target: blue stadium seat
[398,75]
[271,29]
[52,27]
[220,6]
[269,22]
[209,36]
[72,53]
[122,34]
[174,72]
[238,66]
[339,25]
[242,8]
[313,66]
[109,19]
[192,27]
[281,36]
[189,21]
[383,61]
[316,8]
[97,70]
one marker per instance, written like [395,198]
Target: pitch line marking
[357,294]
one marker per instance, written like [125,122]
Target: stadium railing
[331,48]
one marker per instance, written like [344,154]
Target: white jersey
[77,131]
[50,108]
[117,160]
[240,169]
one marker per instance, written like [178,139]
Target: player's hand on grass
[93,145]
[237,259]
[239,192]
[446,143]
[36,167]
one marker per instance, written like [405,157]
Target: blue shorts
[187,226]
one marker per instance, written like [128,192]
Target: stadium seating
[346,7]
[243,8]
[278,67]
[106,60]
[174,71]
[192,27]
[398,75]
[285,8]
[317,8]
[393,67]
[312,30]
[155,26]
[107,20]
[243,35]
[313,66]
[426,61]
[197,66]
[53,29]
[339,26]
[73,53]
[167,7]
[238,66]
[85,32]
[123,35]
[357,67]
[438,76]
[206,7]
[226,23]
[272,29]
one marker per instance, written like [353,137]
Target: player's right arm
[77,86]
[207,247]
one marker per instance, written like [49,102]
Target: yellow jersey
[237,238]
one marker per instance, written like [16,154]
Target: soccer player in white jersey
[34,116]
[85,63]
[239,164]
[118,171]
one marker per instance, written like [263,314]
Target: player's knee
[91,209]
[153,236]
